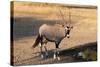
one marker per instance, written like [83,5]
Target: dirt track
[26,28]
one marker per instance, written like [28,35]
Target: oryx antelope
[53,33]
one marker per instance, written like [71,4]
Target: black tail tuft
[37,41]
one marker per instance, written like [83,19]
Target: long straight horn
[62,16]
[69,16]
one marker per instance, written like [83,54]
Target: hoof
[54,57]
[46,54]
[57,52]
[42,56]
[58,58]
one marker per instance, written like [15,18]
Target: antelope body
[53,33]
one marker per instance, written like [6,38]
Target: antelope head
[67,30]
[67,25]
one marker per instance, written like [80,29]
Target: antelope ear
[72,27]
[67,26]
[62,25]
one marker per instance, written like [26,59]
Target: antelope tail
[37,41]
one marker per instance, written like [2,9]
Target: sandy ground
[26,28]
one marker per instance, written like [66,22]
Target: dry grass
[27,20]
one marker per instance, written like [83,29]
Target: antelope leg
[46,51]
[41,51]
[57,49]
[56,54]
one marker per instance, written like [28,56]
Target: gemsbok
[53,33]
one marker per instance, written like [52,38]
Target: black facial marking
[68,31]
